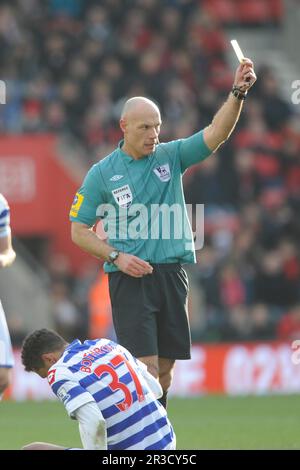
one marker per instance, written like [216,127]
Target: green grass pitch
[214,422]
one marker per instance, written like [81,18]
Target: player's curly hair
[37,343]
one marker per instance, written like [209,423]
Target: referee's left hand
[132,265]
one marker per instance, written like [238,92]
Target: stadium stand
[69,66]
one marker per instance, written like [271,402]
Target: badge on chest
[123,196]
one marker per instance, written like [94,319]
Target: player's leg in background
[5,379]
[152,365]
[166,371]
[6,353]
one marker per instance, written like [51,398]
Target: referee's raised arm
[226,118]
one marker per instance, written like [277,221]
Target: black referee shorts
[150,313]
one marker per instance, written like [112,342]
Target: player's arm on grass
[92,427]
[80,405]
[226,118]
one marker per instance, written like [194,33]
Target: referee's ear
[123,124]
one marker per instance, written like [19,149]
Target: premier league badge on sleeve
[163,172]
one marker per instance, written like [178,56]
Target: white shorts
[6,353]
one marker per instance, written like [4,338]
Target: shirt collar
[127,157]
[74,343]
[124,155]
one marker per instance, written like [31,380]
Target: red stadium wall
[232,369]
[40,192]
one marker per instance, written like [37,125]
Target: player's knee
[34,446]
[5,379]
[29,447]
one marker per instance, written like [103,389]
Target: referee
[128,190]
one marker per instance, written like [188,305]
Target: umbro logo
[116,177]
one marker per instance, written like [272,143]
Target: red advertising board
[40,191]
[238,369]
[231,369]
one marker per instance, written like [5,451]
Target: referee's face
[141,131]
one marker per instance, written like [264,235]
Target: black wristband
[237,93]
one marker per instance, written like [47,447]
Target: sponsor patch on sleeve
[78,200]
[51,376]
[63,395]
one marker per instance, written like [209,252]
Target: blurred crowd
[70,65]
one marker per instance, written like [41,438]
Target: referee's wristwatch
[238,93]
[113,256]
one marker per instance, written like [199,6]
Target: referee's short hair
[37,343]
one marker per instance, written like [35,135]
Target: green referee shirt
[141,201]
